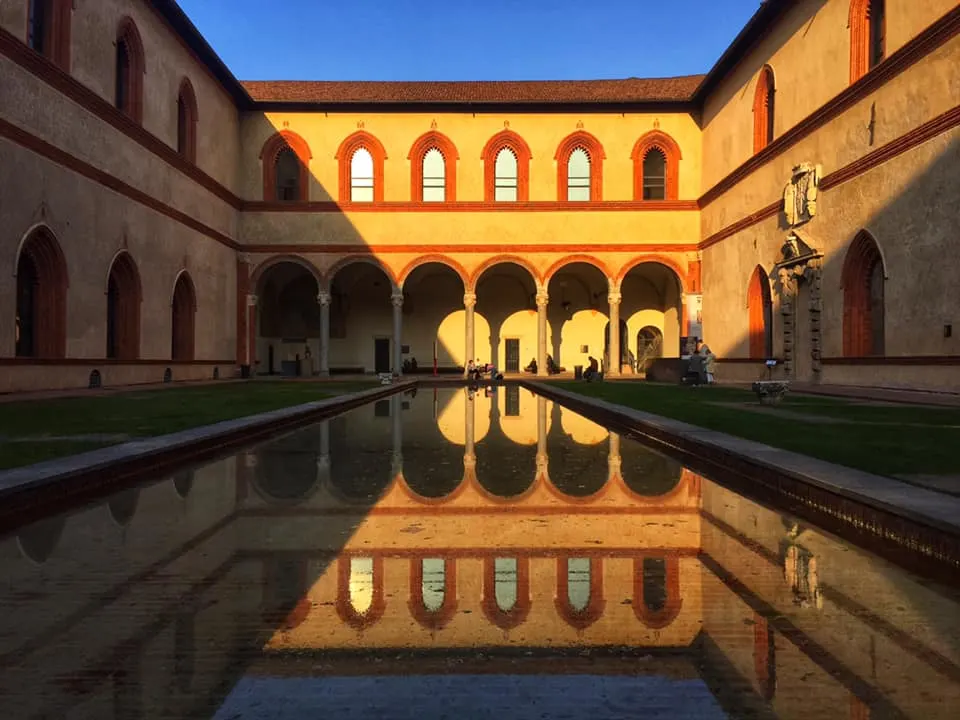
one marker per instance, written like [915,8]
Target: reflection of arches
[359,478]
[286,469]
[183,318]
[649,346]
[648,474]
[506,591]
[760,315]
[124,296]
[38,540]
[360,602]
[505,259]
[183,483]
[431,579]
[656,590]
[439,477]
[285,585]
[41,319]
[579,599]
[863,302]
[123,506]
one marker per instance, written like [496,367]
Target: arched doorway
[183,319]
[361,318]
[760,313]
[124,296]
[652,297]
[288,315]
[577,314]
[506,299]
[434,319]
[41,317]
[863,301]
[649,346]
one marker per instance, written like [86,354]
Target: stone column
[542,299]
[324,299]
[469,303]
[613,299]
[396,300]
[251,331]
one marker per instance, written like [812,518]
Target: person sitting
[593,370]
[695,374]
[532,367]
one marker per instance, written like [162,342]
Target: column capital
[323,297]
[469,299]
[543,297]
[251,299]
[614,297]
[396,298]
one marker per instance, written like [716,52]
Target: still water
[448,555]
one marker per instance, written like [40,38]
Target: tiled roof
[629,90]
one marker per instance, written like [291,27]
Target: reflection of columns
[396,409]
[542,462]
[613,457]
[469,442]
[324,299]
[397,300]
[323,462]
[542,299]
[614,301]
[251,331]
[469,303]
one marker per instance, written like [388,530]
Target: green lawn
[145,413]
[886,440]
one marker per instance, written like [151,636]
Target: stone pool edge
[72,475]
[778,469]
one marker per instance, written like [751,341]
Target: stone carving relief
[799,261]
[800,194]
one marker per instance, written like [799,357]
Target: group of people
[476,371]
[702,363]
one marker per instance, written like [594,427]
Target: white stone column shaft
[469,305]
[324,299]
[542,299]
[613,299]
[396,300]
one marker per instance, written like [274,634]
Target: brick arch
[518,146]
[459,269]
[361,139]
[421,146]
[580,139]
[859,23]
[41,286]
[183,312]
[351,259]
[657,140]
[764,109]
[282,140]
[506,619]
[128,38]
[257,275]
[580,619]
[859,321]
[501,259]
[187,118]
[124,297]
[345,610]
[572,259]
[433,619]
[760,315]
[667,262]
[658,619]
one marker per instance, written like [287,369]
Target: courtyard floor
[914,443]
[34,430]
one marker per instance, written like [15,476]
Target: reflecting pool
[447,554]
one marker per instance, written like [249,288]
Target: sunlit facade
[182,225]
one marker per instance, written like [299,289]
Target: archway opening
[286,471]
[124,297]
[647,473]
[760,315]
[649,347]
[361,319]
[288,341]
[41,298]
[183,319]
[577,315]
[506,300]
[652,300]
[863,298]
[361,453]
[434,320]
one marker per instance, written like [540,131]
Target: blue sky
[467,39]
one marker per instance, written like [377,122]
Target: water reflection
[525,542]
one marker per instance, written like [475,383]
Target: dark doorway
[27,282]
[381,355]
[270,360]
[512,354]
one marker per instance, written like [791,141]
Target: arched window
[183,317]
[48,30]
[763,109]
[285,158]
[433,168]
[434,181]
[506,168]
[863,304]
[656,167]
[579,168]
[129,71]
[41,319]
[760,314]
[123,309]
[867,36]
[187,121]
[361,157]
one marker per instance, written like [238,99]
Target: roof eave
[686,105]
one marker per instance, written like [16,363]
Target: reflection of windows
[654,583]
[512,401]
[433,583]
[578,176]
[578,583]
[360,591]
[505,580]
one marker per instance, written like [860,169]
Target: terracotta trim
[439,259]
[188,97]
[670,263]
[764,109]
[919,135]
[506,139]
[658,619]
[893,360]
[421,146]
[360,139]
[478,249]
[656,139]
[269,153]
[591,260]
[506,619]
[580,139]
[759,301]
[501,259]
[345,610]
[50,294]
[129,36]
[861,13]
[60,157]
[343,207]
[429,619]
[858,264]
[580,619]
[71,88]
[934,37]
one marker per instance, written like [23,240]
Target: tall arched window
[655,175]
[760,314]
[867,36]
[129,71]
[863,303]
[506,168]
[187,121]
[656,167]
[123,309]
[48,29]
[285,157]
[578,176]
[361,176]
[433,168]
[183,319]
[287,175]
[579,168]
[361,157]
[763,109]
[40,322]
[434,180]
